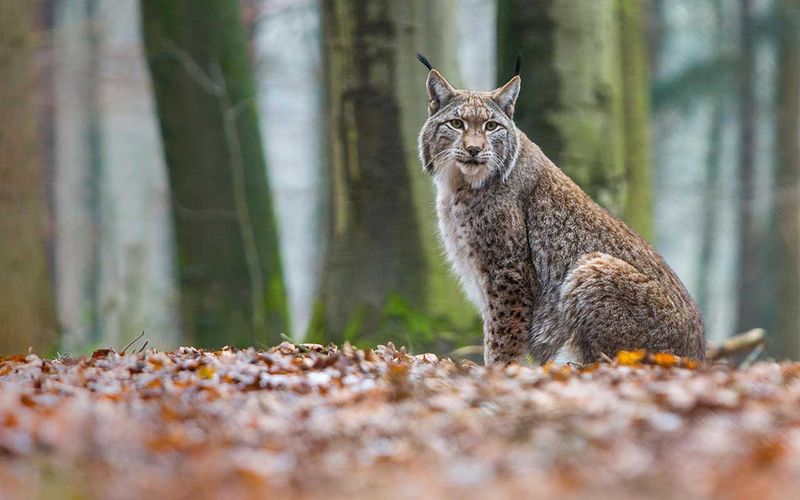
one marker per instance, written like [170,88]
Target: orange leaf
[665,359]
[154,384]
[17,358]
[631,358]
[691,364]
[768,452]
[206,372]
[558,372]
[398,370]
[10,420]
[101,353]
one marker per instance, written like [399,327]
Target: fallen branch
[467,350]
[738,344]
[300,347]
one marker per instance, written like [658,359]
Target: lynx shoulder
[551,272]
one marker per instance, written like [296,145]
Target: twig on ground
[467,350]
[300,347]
[143,347]
[132,342]
[744,342]
[752,357]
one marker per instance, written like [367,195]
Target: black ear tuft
[518,66]
[424,60]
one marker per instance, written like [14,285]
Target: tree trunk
[695,156]
[287,53]
[430,28]
[711,185]
[375,269]
[27,313]
[750,247]
[76,169]
[228,261]
[636,113]
[113,251]
[584,97]
[787,339]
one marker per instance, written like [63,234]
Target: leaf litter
[307,421]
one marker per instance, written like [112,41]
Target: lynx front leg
[503,343]
[506,326]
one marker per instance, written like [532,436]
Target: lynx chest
[461,239]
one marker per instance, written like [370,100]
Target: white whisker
[436,157]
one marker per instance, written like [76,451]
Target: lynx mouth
[471,167]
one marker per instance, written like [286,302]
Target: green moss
[402,323]
[353,331]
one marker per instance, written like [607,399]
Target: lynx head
[469,134]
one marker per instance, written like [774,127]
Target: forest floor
[305,421]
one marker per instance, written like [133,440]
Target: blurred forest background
[217,172]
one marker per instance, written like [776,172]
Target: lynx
[554,275]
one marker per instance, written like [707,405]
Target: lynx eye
[491,126]
[457,124]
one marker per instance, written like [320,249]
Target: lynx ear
[439,91]
[506,96]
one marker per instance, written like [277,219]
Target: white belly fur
[566,354]
[457,247]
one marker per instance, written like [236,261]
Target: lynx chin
[552,273]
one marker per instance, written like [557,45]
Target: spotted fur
[551,272]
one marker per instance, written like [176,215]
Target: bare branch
[207,83]
[739,343]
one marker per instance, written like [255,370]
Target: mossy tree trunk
[228,261]
[636,115]
[380,265]
[584,97]
[430,28]
[787,341]
[27,315]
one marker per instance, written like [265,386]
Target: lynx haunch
[552,273]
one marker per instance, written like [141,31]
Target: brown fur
[550,270]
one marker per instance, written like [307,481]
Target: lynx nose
[473,150]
